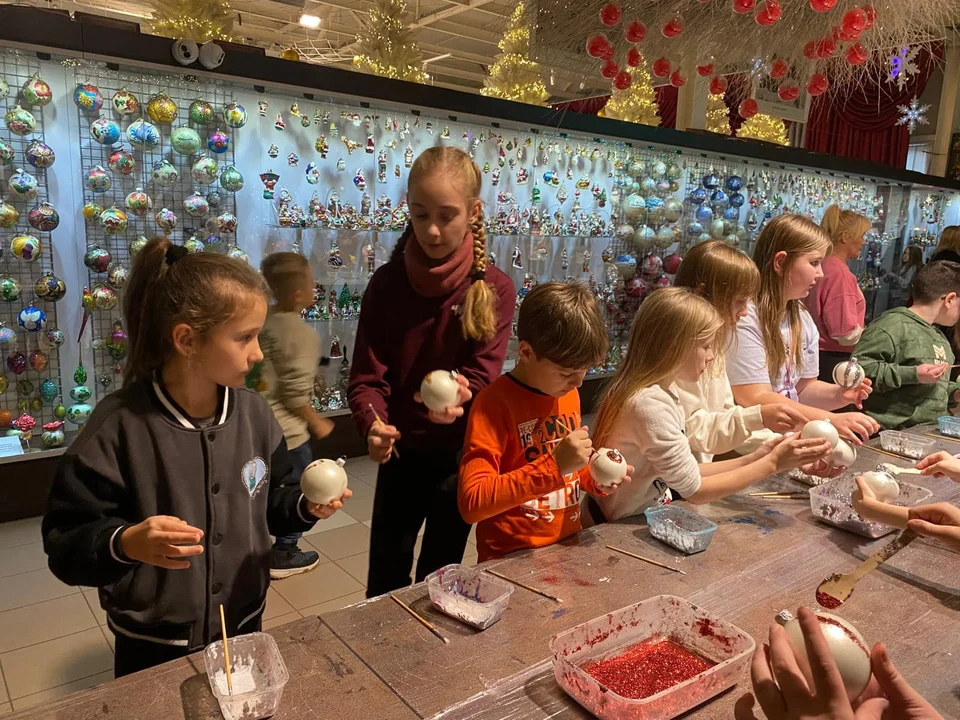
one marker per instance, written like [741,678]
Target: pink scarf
[435,278]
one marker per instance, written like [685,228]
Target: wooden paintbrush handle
[882,555]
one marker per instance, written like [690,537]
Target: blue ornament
[704,214]
[49,390]
[711,181]
[737,199]
[719,199]
[654,203]
[734,183]
[32,318]
[731,213]
[694,229]
[698,196]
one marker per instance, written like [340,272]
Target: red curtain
[862,123]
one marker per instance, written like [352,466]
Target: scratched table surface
[373,661]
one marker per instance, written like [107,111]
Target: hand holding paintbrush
[381,439]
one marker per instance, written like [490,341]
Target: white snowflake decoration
[913,115]
[903,66]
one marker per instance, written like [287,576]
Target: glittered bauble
[227,223]
[218,142]
[32,318]
[9,215]
[718,199]
[748,108]
[35,91]
[648,186]
[195,205]
[194,245]
[87,97]
[17,362]
[54,337]
[8,338]
[125,103]
[97,180]
[80,375]
[788,91]
[711,181]
[9,288]
[49,390]
[731,213]
[143,135]
[20,121]
[205,170]
[40,155]
[137,245]
[91,211]
[237,254]
[734,183]
[38,361]
[234,115]
[113,221]
[161,109]
[105,131]
[201,112]
[214,198]
[50,288]
[7,153]
[185,140]
[610,14]
[166,219]
[817,85]
[165,174]
[737,200]
[44,217]
[139,203]
[97,259]
[104,298]
[117,342]
[231,179]
[23,185]
[117,275]
[26,247]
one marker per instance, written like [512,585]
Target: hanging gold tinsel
[513,76]
[638,103]
[764,127]
[197,20]
[387,46]
[718,118]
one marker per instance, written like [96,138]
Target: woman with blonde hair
[836,304]
[775,357]
[715,424]
[949,247]
[641,416]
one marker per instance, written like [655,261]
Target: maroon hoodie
[402,336]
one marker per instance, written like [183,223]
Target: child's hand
[941,464]
[380,441]
[940,521]
[454,411]
[782,417]
[794,452]
[574,451]
[611,489]
[320,427]
[325,511]
[160,540]
[854,426]
[930,373]
[856,395]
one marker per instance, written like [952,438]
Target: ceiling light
[309,21]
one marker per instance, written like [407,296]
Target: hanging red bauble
[636,32]
[677,78]
[826,48]
[854,21]
[718,86]
[855,54]
[742,7]
[779,69]
[769,13]
[622,80]
[748,108]
[810,50]
[609,70]
[788,91]
[661,67]
[843,36]
[634,57]
[705,70]
[596,44]
[818,85]
[822,6]
[871,12]
[607,52]
[674,28]
[610,14]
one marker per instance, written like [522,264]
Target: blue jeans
[300,457]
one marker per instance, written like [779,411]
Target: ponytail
[146,347]
[401,243]
[479,318]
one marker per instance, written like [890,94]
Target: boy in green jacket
[907,358]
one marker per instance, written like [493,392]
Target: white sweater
[715,424]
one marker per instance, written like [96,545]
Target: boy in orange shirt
[525,453]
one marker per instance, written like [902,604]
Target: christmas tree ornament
[54,337]
[205,170]
[227,223]
[137,202]
[79,413]
[218,142]
[748,108]
[7,153]
[39,154]
[201,112]
[8,338]
[293,159]
[235,116]
[143,135]
[622,80]
[822,6]
[849,650]
[673,28]
[661,67]
[273,151]
[19,121]
[341,165]
[677,78]
[279,125]
[440,390]
[848,374]
[185,140]
[705,70]
[105,131]
[636,31]
[5,416]
[779,69]
[237,254]
[788,91]
[9,288]
[44,217]
[60,412]
[53,436]
[97,259]
[855,54]
[38,360]
[195,205]
[87,97]
[913,115]
[194,245]
[769,13]
[166,219]
[817,85]
[26,248]
[161,109]
[214,198]
[322,146]
[117,342]
[634,58]
[164,174]
[610,14]
[113,221]
[608,468]
[32,318]
[269,180]
[91,211]
[231,179]
[742,7]
[125,103]
[609,69]
[117,275]
[825,48]
[672,210]
[514,75]
[17,362]
[23,185]
[9,216]
[104,298]
[121,162]
[49,390]
[737,200]
[35,91]
[304,121]
[136,245]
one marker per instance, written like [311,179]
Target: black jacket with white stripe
[141,455]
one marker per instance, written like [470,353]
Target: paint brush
[423,621]
[525,587]
[781,495]
[226,653]
[393,448]
[645,559]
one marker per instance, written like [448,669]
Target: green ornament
[24,387]
[23,405]
[201,112]
[59,412]
[536,195]
[343,301]
[81,393]
[9,289]
[36,404]
[80,375]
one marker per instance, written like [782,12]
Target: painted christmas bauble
[648,186]
[234,115]
[54,337]
[734,183]
[97,259]
[849,650]
[38,361]
[17,362]
[8,338]
[324,481]
[139,203]
[231,179]
[214,198]
[737,200]
[26,247]
[672,209]
[104,298]
[643,237]
[201,112]
[848,374]
[60,412]
[80,393]
[731,213]
[23,185]
[626,265]
[125,103]
[20,121]
[227,222]
[635,287]
[166,219]
[97,180]
[658,169]
[625,233]
[711,181]
[9,215]
[7,152]
[205,170]
[717,229]
[9,288]
[35,91]
[44,217]
[704,214]
[185,140]
[654,203]
[698,196]
[673,171]
[635,207]
[113,221]
[49,390]
[122,162]
[117,275]
[608,467]
[195,205]
[87,97]
[237,254]
[719,199]
[218,141]
[91,211]
[105,131]
[4,88]
[694,229]
[53,435]
[165,174]
[666,236]
[40,155]
[652,266]
[117,342]
[50,288]
[32,318]
[440,390]
[194,245]
[143,135]
[137,245]
[78,414]
[161,109]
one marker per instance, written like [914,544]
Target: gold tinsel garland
[638,103]
[387,47]
[764,127]
[197,20]
[718,118]
[513,76]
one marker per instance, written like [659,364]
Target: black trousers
[828,361]
[420,486]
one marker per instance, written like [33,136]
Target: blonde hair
[949,239]
[842,224]
[653,355]
[284,272]
[562,322]
[478,321]
[794,235]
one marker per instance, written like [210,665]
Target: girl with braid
[436,305]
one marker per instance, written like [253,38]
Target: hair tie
[478,276]
[174,253]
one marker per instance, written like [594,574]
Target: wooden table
[374,661]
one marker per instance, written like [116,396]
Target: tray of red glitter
[650,661]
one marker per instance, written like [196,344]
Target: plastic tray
[686,531]
[905,444]
[661,617]
[811,480]
[830,503]
[259,675]
[949,426]
[469,595]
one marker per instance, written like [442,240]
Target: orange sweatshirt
[510,484]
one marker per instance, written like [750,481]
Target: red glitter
[846,630]
[828,601]
[552,579]
[706,629]
[647,669]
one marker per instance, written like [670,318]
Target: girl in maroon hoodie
[437,305]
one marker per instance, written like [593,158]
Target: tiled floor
[52,637]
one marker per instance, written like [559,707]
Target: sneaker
[284,563]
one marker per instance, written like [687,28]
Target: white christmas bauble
[884,485]
[635,208]
[608,468]
[625,233]
[324,481]
[716,229]
[440,390]
[821,429]
[643,237]
[847,646]
[844,454]
[848,374]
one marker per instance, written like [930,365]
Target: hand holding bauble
[324,481]
[844,455]
[848,374]
[608,468]
[821,429]
[884,485]
[440,390]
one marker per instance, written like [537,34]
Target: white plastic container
[911,446]
[259,675]
[470,596]
[830,503]
[686,531]
[664,617]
